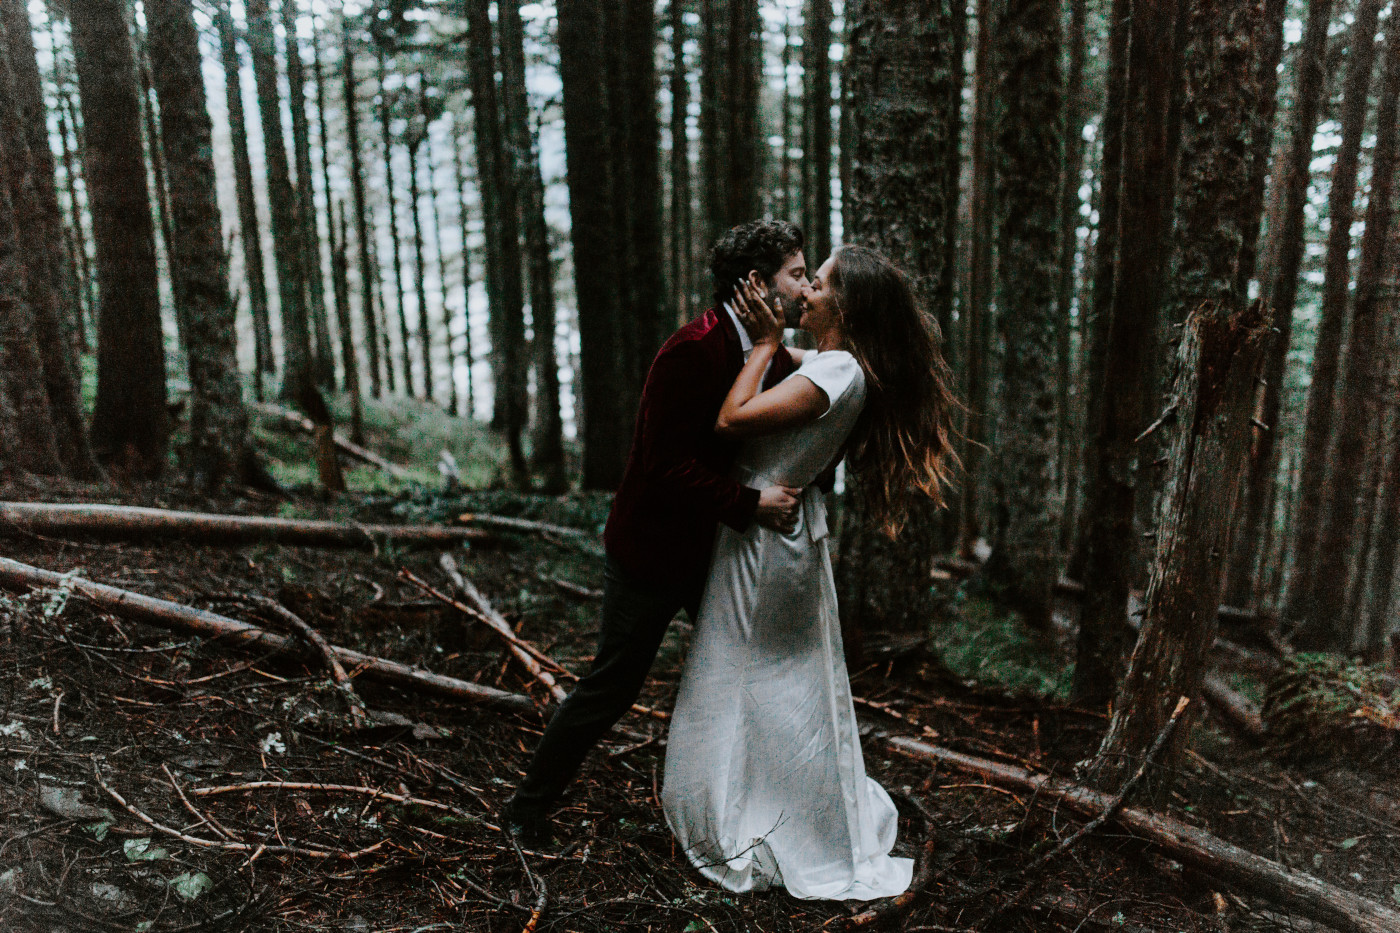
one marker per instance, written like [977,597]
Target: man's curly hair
[759,244]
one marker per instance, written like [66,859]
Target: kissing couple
[720,512]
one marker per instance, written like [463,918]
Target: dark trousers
[634,619]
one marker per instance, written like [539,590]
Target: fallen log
[322,647]
[1233,707]
[131,523]
[1233,867]
[303,423]
[520,524]
[162,613]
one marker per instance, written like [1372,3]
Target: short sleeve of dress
[837,374]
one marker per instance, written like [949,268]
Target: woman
[765,783]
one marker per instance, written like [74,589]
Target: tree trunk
[1386,558]
[816,127]
[28,428]
[1318,425]
[154,151]
[501,210]
[1025,555]
[286,227]
[1218,362]
[1070,178]
[450,353]
[902,79]
[350,103]
[405,360]
[253,270]
[324,361]
[731,75]
[1322,620]
[219,450]
[340,279]
[130,424]
[461,179]
[1280,290]
[318,76]
[1097,315]
[978,329]
[77,221]
[425,346]
[682,231]
[1114,478]
[547,440]
[606,422]
[53,301]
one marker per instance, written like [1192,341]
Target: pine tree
[406,364]
[816,129]
[219,443]
[130,423]
[902,72]
[1024,562]
[731,71]
[350,101]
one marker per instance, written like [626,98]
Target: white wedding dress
[765,783]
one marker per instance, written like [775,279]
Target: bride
[765,783]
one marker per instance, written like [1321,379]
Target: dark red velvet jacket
[677,484]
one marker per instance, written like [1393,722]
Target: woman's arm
[746,410]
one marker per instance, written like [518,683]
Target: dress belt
[813,503]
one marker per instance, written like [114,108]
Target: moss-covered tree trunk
[902,74]
[1025,560]
[219,450]
[420,286]
[1115,478]
[1318,422]
[250,233]
[130,423]
[52,296]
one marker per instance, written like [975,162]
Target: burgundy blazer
[677,484]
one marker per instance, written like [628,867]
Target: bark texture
[130,425]
[219,443]
[1028,144]
[349,96]
[902,79]
[816,128]
[731,72]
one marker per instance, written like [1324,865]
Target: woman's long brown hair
[902,444]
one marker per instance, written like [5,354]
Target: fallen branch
[1108,813]
[1233,867]
[520,524]
[318,642]
[497,623]
[343,789]
[362,454]
[573,589]
[230,845]
[131,523]
[886,911]
[525,655]
[1233,707]
[541,903]
[174,616]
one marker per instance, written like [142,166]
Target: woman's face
[820,313]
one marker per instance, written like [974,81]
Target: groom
[675,490]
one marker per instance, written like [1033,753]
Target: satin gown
[765,783]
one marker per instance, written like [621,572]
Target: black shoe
[530,828]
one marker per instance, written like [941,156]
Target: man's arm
[676,422]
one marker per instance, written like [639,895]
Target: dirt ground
[108,727]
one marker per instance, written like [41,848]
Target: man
[675,489]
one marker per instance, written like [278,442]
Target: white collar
[745,343]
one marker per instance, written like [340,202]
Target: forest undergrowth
[137,765]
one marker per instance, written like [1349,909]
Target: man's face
[787,286]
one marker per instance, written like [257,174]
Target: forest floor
[93,707]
